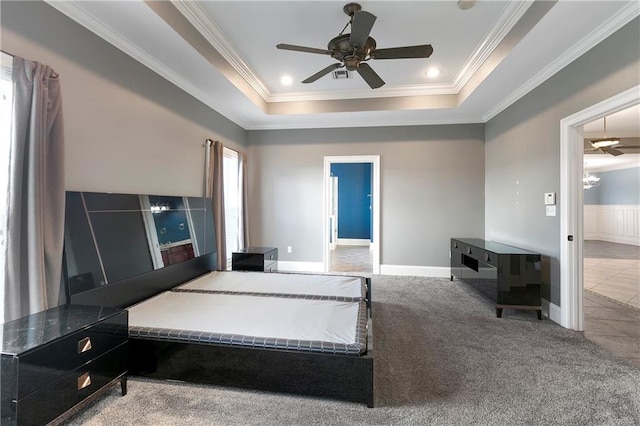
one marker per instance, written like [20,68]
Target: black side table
[54,360]
[261,259]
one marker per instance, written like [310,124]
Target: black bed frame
[344,377]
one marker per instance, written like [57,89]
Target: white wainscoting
[613,223]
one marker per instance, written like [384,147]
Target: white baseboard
[352,242]
[416,271]
[552,311]
[292,266]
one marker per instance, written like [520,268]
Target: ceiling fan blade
[613,152]
[322,73]
[295,48]
[370,76]
[421,51]
[361,27]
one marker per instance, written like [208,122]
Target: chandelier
[589,181]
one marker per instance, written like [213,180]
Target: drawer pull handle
[84,381]
[84,345]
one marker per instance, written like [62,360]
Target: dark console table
[52,361]
[508,276]
[262,259]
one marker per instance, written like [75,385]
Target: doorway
[357,249]
[571,312]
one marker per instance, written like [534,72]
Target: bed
[299,333]
[306,334]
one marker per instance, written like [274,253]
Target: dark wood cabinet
[56,359]
[508,276]
[255,259]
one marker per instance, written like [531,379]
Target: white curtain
[36,198]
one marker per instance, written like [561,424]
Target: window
[232,202]
[6,101]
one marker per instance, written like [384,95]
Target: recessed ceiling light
[286,80]
[433,72]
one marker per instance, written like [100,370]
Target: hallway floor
[351,259]
[613,270]
[611,306]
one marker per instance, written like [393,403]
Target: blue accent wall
[354,199]
[615,187]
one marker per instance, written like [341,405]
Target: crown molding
[200,19]
[298,126]
[72,10]
[415,90]
[629,164]
[509,17]
[604,30]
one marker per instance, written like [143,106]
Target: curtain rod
[7,53]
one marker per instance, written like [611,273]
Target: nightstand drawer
[57,397]
[49,362]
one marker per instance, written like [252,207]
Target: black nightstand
[261,259]
[56,359]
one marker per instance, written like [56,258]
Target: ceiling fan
[607,145]
[352,50]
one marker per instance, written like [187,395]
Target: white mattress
[255,316]
[275,283]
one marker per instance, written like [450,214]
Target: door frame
[375,204]
[572,198]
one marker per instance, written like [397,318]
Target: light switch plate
[549,198]
[551,210]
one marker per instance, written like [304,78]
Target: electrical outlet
[289,249]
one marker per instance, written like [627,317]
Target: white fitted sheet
[240,318]
[276,283]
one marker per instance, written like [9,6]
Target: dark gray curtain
[35,199]
[216,189]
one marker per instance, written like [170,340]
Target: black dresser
[255,259]
[56,359]
[509,276]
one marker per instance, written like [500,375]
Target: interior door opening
[571,311]
[351,217]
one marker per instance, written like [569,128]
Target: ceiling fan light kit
[354,49]
[603,143]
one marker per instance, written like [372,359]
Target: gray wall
[432,188]
[126,128]
[615,187]
[523,147]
